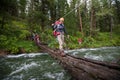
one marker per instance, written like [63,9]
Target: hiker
[59,31]
[79,41]
[37,38]
[53,26]
[33,36]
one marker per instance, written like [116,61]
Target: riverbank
[3,52]
[28,46]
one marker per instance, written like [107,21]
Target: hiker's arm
[55,26]
[65,31]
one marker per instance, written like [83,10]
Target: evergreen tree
[22,8]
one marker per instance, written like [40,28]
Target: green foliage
[53,43]
[20,29]
[22,7]
[104,39]
[88,42]
[24,34]
[101,39]
[16,24]
[8,43]
[28,46]
[8,7]
[3,40]
[13,33]
[117,29]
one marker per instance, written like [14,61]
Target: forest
[96,22]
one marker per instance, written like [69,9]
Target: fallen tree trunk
[86,69]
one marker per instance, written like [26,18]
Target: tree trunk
[117,4]
[80,20]
[85,69]
[111,23]
[93,22]
[53,12]
[111,27]
[44,8]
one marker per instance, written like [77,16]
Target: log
[85,69]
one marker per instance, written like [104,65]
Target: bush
[28,46]
[12,46]
[3,41]
[24,34]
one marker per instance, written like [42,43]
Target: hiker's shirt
[60,28]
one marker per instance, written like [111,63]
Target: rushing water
[40,66]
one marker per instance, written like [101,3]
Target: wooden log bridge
[85,69]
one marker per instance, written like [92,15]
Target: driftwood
[85,69]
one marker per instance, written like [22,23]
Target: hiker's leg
[38,40]
[62,37]
[60,42]
[62,50]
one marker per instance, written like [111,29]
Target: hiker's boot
[62,53]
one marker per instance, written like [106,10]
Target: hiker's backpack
[56,25]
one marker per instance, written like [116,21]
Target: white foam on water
[111,56]
[16,77]
[15,56]
[95,57]
[86,49]
[49,75]
[93,49]
[36,54]
[33,79]
[45,61]
[24,67]
[74,53]
[53,64]
[107,47]
[60,76]
[25,55]
[56,76]
[101,48]
[68,51]
[81,50]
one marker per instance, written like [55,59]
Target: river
[41,66]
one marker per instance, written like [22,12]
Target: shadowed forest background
[96,22]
